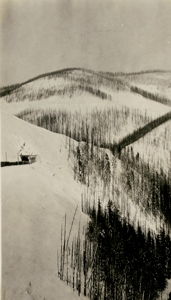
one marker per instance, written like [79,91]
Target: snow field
[35,199]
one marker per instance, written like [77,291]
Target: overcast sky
[39,36]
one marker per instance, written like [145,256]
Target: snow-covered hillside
[156,82]
[35,199]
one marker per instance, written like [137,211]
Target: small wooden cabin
[28,158]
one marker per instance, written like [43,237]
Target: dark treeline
[8,89]
[153,192]
[155,97]
[137,73]
[66,73]
[140,132]
[58,73]
[95,92]
[114,260]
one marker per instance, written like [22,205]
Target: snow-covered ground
[35,199]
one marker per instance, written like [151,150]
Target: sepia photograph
[85,126]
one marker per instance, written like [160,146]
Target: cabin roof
[28,155]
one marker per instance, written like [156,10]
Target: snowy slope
[35,199]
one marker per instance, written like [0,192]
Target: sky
[39,36]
